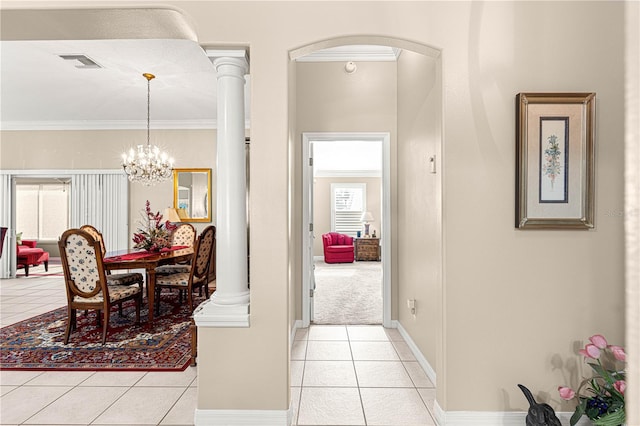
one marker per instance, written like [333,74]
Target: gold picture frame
[555,138]
[192,194]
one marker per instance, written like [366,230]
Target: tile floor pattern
[341,375]
[357,375]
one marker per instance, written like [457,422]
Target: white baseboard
[242,417]
[296,325]
[428,369]
[491,418]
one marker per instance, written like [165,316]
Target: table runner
[141,254]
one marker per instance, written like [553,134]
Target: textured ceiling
[41,90]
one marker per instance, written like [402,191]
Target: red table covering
[141,254]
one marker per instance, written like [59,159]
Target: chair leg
[70,319]
[138,303]
[26,270]
[120,308]
[105,326]
[98,318]
[46,266]
[190,298]
[157,307]
[194,343]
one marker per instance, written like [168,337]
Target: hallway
[357,375]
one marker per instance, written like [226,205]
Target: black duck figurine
[539,414]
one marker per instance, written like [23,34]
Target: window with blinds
[42,210]
[348,202]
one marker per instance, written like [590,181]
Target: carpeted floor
[348,293]
[37,343]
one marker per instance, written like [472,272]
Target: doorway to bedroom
[346,191]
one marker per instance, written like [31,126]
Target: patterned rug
[37,343]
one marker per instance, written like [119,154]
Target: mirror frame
[176,173]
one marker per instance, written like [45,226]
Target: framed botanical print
[555,135]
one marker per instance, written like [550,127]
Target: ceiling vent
[84,61]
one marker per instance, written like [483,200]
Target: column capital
[236,57]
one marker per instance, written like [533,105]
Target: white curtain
[98,197]
[7,262]
[101,200]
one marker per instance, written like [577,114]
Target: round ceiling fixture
[350,67]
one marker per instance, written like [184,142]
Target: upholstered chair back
[204,247]
[97,235]
[184,235]
[82,263]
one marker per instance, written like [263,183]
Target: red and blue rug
[38,343]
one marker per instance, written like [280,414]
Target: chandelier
[147,164]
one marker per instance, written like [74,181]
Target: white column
[229,305]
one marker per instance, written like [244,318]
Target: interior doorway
[379,145]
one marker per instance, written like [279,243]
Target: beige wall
[101,149]
[419,202]
[513,302]
[322,205]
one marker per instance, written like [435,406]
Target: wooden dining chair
[183,235]
[86,281]
[198,276]
[123,278]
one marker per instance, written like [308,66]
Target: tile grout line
[355,372]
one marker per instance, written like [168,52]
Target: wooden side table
[367,248]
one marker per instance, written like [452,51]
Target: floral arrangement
[153,234]
[603,398]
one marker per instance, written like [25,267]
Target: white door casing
[308,284]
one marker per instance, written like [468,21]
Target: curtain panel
[98,197]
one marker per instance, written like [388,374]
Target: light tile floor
[357,375]
[341,375]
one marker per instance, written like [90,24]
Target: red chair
[27,254]
[338,248]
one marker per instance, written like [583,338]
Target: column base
[210,314]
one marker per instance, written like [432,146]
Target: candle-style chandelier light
[147,164]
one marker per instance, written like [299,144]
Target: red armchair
[27,254]
[338,248]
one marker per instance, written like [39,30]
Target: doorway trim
[385,138]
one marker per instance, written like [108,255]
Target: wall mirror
[192,194]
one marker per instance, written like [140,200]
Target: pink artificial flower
[599,341]
[620,386]
[590,351]
[618,352]
[566,393]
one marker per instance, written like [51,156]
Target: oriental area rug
[38,343]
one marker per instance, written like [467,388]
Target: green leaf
[578,413]
[616,418]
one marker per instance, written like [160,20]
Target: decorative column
[229,305]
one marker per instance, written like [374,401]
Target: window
[348,202]
[42,210]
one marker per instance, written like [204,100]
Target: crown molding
[361,53]
[111,125]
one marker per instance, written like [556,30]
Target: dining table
[149,261]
